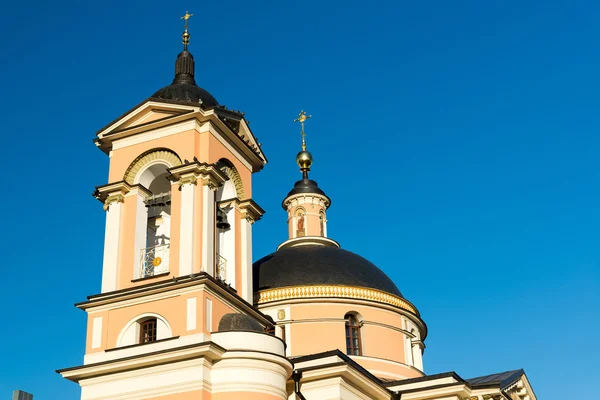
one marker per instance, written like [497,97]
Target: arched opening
[156,226]
[225,233]
[353,340]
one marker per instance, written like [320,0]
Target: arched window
[148,331]
[225,233]
[353,345]
[144,328]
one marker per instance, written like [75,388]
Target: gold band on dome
[322,291]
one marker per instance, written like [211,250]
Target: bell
[222,219]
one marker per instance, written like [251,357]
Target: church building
[183,311]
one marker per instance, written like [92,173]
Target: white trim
[96,332]
[154,134]
[191,313]
[119,353]
[233,151]
[163,381]
[150,106]
[208,315]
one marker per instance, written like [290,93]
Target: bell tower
[179,198]
[177,267]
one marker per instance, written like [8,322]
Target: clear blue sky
[469,130]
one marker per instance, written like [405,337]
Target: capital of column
[115,192]
[192,172]
[111,193]
[249,209]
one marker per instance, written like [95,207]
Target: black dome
[319,265]
[239,322]
[190,93]
[183,87]
[306,186]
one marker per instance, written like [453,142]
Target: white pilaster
[246,267]
[208,230]
[417,355]
[186,231]
[112,241]
[141,227]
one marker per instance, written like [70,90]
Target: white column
[186,231]
[229,248]
[141,227]
[246,267]
[417,356]
[208,230]
[112,240]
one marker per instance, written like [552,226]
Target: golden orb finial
[304,158]
[186,35]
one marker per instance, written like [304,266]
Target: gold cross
[186,17]
[302,117]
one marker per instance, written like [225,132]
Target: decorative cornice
[329,291]
[191,172]
[112,193]
[249,209]
[305,198]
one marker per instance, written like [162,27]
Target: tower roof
[183,87]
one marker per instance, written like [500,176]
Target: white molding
[191,313]
[154,134]
[151,382]
[249,341]
[233,151]
[208,315]
[119,353]
[253,373]
[163,330]
[96,332]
